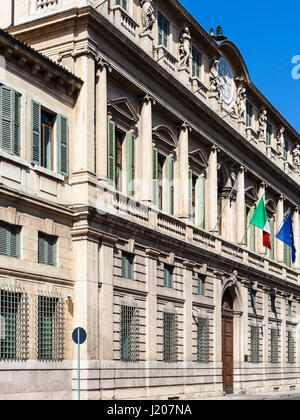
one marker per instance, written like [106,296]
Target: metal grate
[50,328]
[203,340]
[129,333]
[291,346]
[13,325]
[254,344]
[274,345]
[170,343]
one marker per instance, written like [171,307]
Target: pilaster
[212,188]
[183,172]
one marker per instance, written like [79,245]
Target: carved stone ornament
[239,108]
[262,125]
[185,47]
[148,16]
[280,140]
[296,157]
[215,83]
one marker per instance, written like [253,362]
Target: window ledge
[49,173]
[15,159]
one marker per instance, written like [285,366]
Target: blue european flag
[286,235]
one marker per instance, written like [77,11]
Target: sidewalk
[269,396]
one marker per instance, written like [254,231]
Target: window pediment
[165,138]
[251,195]
[123,113]
[198,161]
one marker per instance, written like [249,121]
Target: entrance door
[227,342]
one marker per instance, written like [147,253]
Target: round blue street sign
[79,335]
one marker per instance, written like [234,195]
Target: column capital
[147,98]
[102,63]
[185,126]
[214,148]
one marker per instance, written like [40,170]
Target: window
[10,240]
[287,255]
[286,150]
[192,196]
[163,181]
[201,285]
[291,346]
[289,308]
[118,160]
[123,4]
[163,30]
[196,63]
[269,134]
[50,328]
[253,300]
[272,238]
[13,325]
[169,337]
[160,165]
[274,345]
[250,237]
[48,150]
[273,305]
[203,340]
[127,266]
[129,333]
[254,344]
[10,120]
[249,114]
[168,277]
[47,249]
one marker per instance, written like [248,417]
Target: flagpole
[221,214]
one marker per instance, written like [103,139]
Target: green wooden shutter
[111,151]
[155,175]
[170,185]
[62,140]
[190,195]
[201,201]
[272,233]
[41,250]
[14,241]
[6,118]
[287,255]
[36,133]
[16,143]
[4,244]
[130,163]
[252,232]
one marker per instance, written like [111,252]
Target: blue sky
[267,33]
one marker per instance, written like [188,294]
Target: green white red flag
[260,220]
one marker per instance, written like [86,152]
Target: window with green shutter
[287,255]
[130,162]
[196,63]
[129,333]
[202,340]
[127,266]
[163,30]
[269,134]
[170,339]
[201,202]
[10,240]
[155,176]
[62,133]
[123,4]
[111,151]
[10,120]
[252,232]
[272,239]
[168,276]
[249,114]
[47,249]
[170,185]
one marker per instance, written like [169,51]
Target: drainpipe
[12,12]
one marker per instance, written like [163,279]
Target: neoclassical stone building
[134,151]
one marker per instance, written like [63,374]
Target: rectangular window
[196,63]
[274,345]
[203,340]
[47,249]
[287,255]
[163,30]
[160,166]
[10,240]
[286,150]
[119,160]
[273,305]
[10,120]
[254,344]
[253,300]
[47,144]
[269,134]
[169,337]
[249,114]
[272,239]
[168,277]
[291,347]
[127,266]
[201,285]
[192,196]
[129,333]
[50,328]
[13,325]
[123,4]
[289,308]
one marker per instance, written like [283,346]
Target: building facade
[134,151]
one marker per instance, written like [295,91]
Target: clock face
[226,79]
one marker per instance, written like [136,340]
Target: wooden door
[227,352]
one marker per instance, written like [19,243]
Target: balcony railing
[165,58]
[41,4]
[124,21]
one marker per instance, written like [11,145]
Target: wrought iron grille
[203,340]
[291,347]
[129,333]
[50,328]
[13,325]
[170,338]
[274,345]
[254,344]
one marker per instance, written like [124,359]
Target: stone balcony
[125,22]
[44,4]
[165,58]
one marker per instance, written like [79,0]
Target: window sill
[15,159]
[49,173]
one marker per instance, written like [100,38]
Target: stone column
[86,310]
[258,232]
[183,172]
[144,151]
[212,188]
[296,231]
[278,224]
[101,118]
[240,207]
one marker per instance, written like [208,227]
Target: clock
[226,80]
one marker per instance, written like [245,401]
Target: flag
[260,220]
[286,235]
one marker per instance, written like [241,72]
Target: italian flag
[260,220]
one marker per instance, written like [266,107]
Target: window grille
[274,345]
[50,328]
[291,347]
[254,344]
[203,340]
[129,333]
[10,240]
[13,325]
[170,339]
[47,249]
[127,266]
